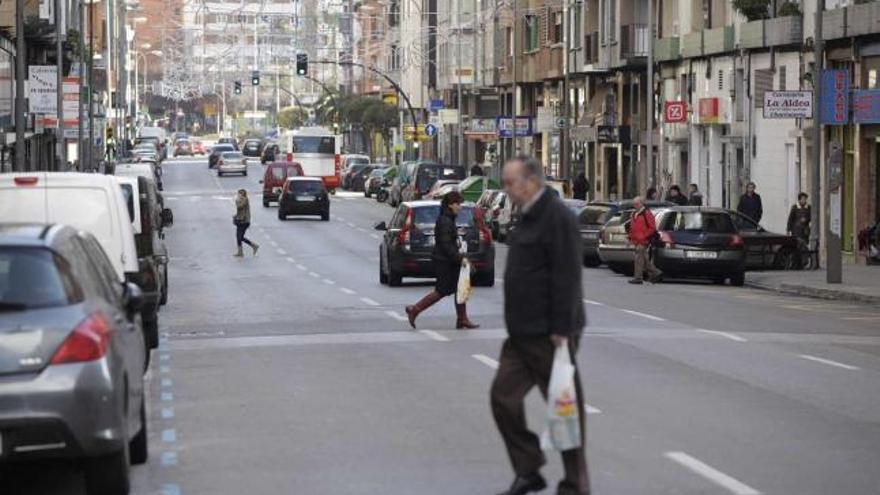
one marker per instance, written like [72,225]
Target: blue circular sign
[430,130]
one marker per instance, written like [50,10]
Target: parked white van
[90,202]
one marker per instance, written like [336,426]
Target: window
[611,33]
[394,13]
[557,36]
[872,78]
[509,42]
[763,83]
[782,81]
[531,30]
[575,31]
[394,57]
[307,186]
[314,144]
[35,278]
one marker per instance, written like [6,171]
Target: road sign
[675,112]
[436,105]
[43,82]
[561,122]
[430,130]
[505,126]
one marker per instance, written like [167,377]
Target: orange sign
[709,113]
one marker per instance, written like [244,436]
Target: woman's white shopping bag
[563,417]
[464,283]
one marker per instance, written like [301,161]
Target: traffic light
[302,64]
[255,78]
[238,87]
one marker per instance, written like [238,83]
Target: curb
[815,292]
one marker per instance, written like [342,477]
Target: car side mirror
[381,226]
[132,299]
[167,217]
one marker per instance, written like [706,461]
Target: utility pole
[515,98]
[80,151]
[256,62]
[649,99]
[20,111]
[59,51]
[90,157]
[564,148]
[458,40]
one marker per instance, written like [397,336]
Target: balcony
[718,40]
[666,49]
[692,45]
[783,31]
[862,19]
[751,34]
[634,41]
[834,24]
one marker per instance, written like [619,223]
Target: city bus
[317,150]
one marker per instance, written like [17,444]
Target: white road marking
[340,219]
[171,199]
[643,315]
[591,410]
[829,362]
[313,274]
[346,290]
[361,229]
[726,335]
[723,480]
[291,259]
[369,301]
[273,243]
[375,236]
[594,303]
[329,282]
[397,316]
[350,224]
[434,335]
[281,252]
[301,267]
[486,360]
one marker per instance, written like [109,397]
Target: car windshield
[280,173]
[428,175]
[223,147]
[314,144]
[306,186]
[358,161]
[700,221]
[34,278]
[128,196]
[425,216]
[252,144]
[595,214]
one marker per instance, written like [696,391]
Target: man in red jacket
[641,229]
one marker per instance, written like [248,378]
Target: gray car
[71,356]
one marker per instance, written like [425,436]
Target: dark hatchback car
[353,171]
[252,148]
[767,250]
[217,151]
[359,180]
[409,241]
[699,242]
[271,152]
[304,196]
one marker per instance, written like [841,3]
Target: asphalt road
[294,372]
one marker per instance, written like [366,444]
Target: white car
[231,162]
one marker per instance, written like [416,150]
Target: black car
[353,171]
[409,241]
[304,196]
[252,148]
[594,216]
[359,180]
[374,181]
[700,242]
[217,151]
[767,250]
[271,153]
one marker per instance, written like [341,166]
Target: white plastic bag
[464,282]
[563,417]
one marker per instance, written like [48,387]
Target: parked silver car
[71,356]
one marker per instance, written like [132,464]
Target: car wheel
[138,449]
[325,216]
[244,174]
[109,474]
[719,280]
[591,262]
[265,203]
[219,174]
[394,278]
[383,277]
[281,215]
[614,267]
[738,279]
[785,259]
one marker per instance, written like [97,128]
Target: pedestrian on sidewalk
[674,195]
[651,194]
[750,204]
[242,221]
[580,187]
[542,310]
[447,257]
[695,198]
[477,170]
[641,229]
[799,219]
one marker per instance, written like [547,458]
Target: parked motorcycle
[382,194]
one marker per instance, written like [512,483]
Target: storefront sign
[481,126]
[788,104]
[505,126]
[436,104]
[866,106]
[612,134]
[43,83]
[674,112]
[834,107]
[709,111]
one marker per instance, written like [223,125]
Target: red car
[198,148]
[275,175]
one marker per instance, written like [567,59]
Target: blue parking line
[167,412]
[164,369]
[164,356]
[166,382]
[169,436]
[169,458]
[167,397]
[170,489]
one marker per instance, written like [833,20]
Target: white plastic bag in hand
[464,282]
[563,417]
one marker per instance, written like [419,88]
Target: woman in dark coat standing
[447,258]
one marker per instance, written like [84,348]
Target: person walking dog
[543,310]
[242,221]
[447,257]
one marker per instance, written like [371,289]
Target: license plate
[305,198]
[591,235]
[703,255]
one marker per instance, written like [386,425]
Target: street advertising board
[505,126]
[70,95]
[675,112]
[866,106]
[788,104]
[436,104]
[834,104]
[43,84]
[709,111]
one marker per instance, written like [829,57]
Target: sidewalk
[860,283]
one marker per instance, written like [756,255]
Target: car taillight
[290,157]
[88,341]
[485,233]
[666,239]
[403,236]
[26,181]
[736,241]
[337,164]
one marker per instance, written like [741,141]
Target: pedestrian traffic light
[255,78]
[302,64]
[238,87]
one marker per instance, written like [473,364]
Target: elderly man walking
[543,309]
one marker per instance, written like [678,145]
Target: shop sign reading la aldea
[788,104]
